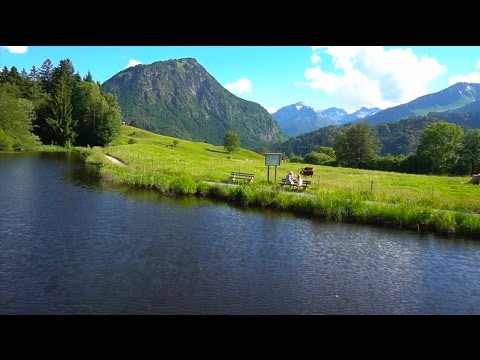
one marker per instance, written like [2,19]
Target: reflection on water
[71,245]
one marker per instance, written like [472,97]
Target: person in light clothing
[289,179]
[299,182]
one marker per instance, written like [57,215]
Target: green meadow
[439,204]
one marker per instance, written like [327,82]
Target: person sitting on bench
[289,179]
[299,182]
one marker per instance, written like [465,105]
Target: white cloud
[372,76]
[133,62]
[240,86]
[478,63]
[315,58]
[16,49]
[271,109]
[473,77]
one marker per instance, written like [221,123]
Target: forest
[55,105]
[440,148]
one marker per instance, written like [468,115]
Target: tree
[65,68]
[471,150]
[98,114]
[46,75]
[62,122]
[357,145]
[88,77]
[175,143]
[34,74]
[327,151]
[231,141]
[440,146]
[110,119]
[15,121]
[4,75]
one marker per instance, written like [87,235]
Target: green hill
[180,98]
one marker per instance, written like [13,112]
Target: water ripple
[67,246]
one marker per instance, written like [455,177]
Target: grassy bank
[419,202]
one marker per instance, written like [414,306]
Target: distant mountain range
[299,118]
[460,97]
[180,98]
[399,128]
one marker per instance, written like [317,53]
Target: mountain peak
[299,105]
[180,98]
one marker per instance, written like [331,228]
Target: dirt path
[115,160]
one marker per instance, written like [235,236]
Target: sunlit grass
[438,203]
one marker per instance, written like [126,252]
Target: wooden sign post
[272,159]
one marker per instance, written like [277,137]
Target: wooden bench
[306,183]
[234,176]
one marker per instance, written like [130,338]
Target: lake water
[70,245]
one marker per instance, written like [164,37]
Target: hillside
[467,116]
[396,138]
[180,98]
[453,97]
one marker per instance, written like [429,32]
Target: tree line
[55,105]
[444,148]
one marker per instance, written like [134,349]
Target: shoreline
[417,219]
[343,207]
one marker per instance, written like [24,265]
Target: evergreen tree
[62,123]
[88,77]
[4,75]
[34,74]
[46,76]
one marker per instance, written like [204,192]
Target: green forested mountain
[467,116]
[402,137]
[308,142]
[453,97]
[180,98]
[397,138]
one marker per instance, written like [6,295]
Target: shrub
[316,158]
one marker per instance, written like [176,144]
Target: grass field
[426,203]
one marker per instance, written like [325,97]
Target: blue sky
[275,76]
